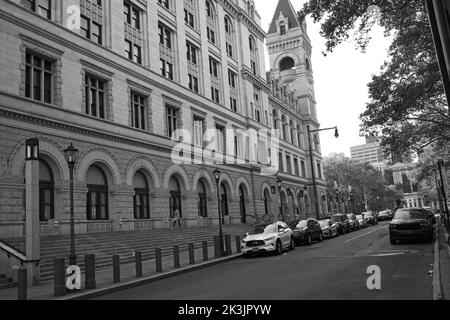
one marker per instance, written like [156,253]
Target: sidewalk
[444,262]
[104,278]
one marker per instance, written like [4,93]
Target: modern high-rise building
[119,79]
[370,152]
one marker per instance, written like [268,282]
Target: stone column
[32,219]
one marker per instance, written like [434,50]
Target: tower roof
[285,7]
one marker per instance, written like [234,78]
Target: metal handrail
[11,251]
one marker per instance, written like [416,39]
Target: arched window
[275,119]
[308,65]
[253,54]
[97,197]
[229,36]
[211,28]
[46,192]
[282,28]
[175,197]
[287,63]
[284,129]
[141,198]
[292,127]
[202,200]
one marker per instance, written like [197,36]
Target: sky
[340,78]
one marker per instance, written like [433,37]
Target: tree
[367,184]
[408,106]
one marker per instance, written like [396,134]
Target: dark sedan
[306,231]
[411,224]
[371,218]
[342,221]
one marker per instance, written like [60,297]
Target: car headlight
[269,239]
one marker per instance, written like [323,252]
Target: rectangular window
[220,139]
[319,170]
[233,104]
[253,64]
[39,78]
[232,79]
[280,162]
[193,83]
[189,18]
[95,93]
[303,166]
[138,111]
[296,168]
[213,67]
[41,7]
[215,96]
[288,164]
[132,15]
[166,69]
[165,36]
[198,131]
[172,121]
[211,35]
[91,29]
[165,3]
[229,50]
[191,53]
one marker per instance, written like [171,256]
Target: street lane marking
[388,254]
[365,234]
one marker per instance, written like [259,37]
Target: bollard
[228,251]
[89,261]
[205,250]
[22,284]
[158,255]
[217,251]
[60,277]
[176,256]
[138,256]
[116,268]
[238,244]
[191,254]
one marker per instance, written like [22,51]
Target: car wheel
[292,247]
[320,237]
[278,248]
[309,239]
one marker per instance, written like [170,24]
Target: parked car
[329,230]
[362,221]
[354,223]
[274,237]
[411,224]
[371,218]
[343,225]
[307,231]
[385,215]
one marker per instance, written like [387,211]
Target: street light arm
[318,130]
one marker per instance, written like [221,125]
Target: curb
[437,287]
[146,280]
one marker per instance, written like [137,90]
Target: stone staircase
[105,245]
[6,283]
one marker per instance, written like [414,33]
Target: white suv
[268,238]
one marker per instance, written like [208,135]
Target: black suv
[342,222]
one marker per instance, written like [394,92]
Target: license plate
[255,249]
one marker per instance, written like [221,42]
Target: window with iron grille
[39,74]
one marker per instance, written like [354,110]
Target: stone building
[119,78]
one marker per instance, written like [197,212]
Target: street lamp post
[217,174]
[316,198]
[440,165]
[71,155]
[280,184]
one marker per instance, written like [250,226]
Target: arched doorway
[46,192]
[175,197]
[224,201]
[141,198]
[242,208]
[97,197]
[202,200]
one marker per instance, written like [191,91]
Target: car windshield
[350,216]
[359,217]
[324,223]
[369,214]
[302,224]
[410,214]
[264,229]
[336,219]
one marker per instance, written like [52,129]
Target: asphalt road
[333,269]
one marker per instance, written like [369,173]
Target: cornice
[247,74]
